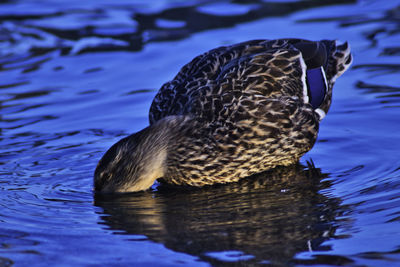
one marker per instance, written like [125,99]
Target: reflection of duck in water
[270,217]
[230,113]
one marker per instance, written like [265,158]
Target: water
[76,77]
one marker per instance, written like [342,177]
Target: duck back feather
[269,68]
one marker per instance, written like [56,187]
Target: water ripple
[77,78]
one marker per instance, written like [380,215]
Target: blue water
[77,76]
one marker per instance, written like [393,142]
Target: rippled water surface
[77,76]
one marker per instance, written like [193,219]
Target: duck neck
[152,151]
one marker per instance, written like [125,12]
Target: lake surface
[76,77]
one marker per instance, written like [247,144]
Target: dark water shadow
[5,262]
[197,20]
[389,96]
[268,218]
[191,19]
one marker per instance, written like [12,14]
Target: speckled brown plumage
[230,113]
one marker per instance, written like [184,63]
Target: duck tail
[339,60]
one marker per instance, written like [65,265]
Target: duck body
[231,112]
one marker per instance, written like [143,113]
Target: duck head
[136,161]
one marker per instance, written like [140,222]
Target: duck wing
[215,84]
[202,71]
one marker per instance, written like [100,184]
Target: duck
[230,113]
